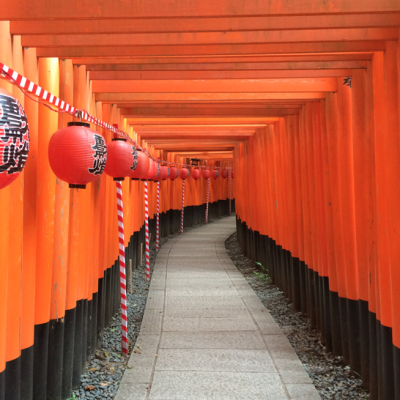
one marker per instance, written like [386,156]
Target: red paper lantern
[215,173]
[142,166]
[166,172]
[174,173]
[14,138]
[232,175]
[224,174]
[158,172]
[206,173]
[77,154]
[183,173]
[196,174]
[121,159]
[151,171]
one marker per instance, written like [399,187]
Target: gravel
[106,367]
[332,378]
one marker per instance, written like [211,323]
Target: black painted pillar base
[13,379]
[26,373]
[68,355]
[3,385]
[40,360]
[55,362]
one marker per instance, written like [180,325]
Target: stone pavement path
[205,334]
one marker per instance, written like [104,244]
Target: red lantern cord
[22,82]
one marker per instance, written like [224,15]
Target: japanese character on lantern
[100,155]
[14,138]
[135,158]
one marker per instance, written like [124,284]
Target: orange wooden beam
[194,146]
[218,103]
[207,38]
[203,121]
[206,154]
[170,131]
[209,155]
[189,106]
[212,49]
[116,97]
[176,129]
[140,112]
[97,71]
[88,9]
[218,86]
[130,63]
[213,153]
[153,25]
[211,142]
[188,134]
[188,75]
[200,127]
[226,145]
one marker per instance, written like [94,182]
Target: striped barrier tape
[183,204]
[146,227]
[158,218]
[208,198]
[230,192]
[122,273]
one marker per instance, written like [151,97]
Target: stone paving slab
[206,312]
[152,322]
[198,292]
[212,340]
[239,323]
[223,360]
[132,391]
[142,364]
[286,360]
[206,335]
[203,301]
[302,392]
[155,299]
[189,385]
[208,282]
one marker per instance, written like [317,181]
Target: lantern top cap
[118,138]
[78,123]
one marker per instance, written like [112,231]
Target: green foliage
[262,276]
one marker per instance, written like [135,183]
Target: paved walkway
[206,335]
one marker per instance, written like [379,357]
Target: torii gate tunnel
[299,99]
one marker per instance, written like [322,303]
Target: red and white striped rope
[183,204]
[230,192]
[158,218]
[146,229]
[122,274]
[208,198]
